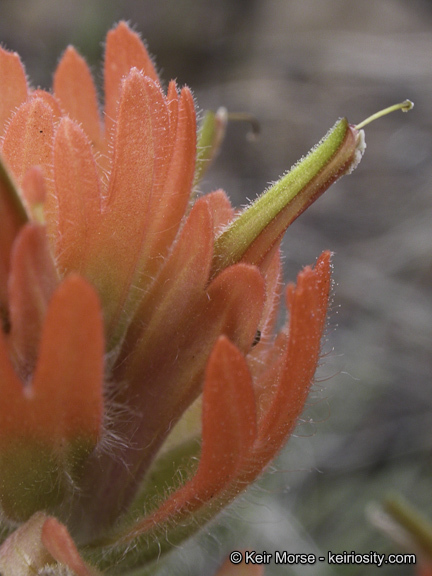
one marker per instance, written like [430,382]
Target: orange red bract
[115,321]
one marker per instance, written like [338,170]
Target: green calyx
[210,138]
[35,476]
[257,229]
[30,480]
[265,220]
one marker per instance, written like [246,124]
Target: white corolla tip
[359,151]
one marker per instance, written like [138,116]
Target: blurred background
[297,65]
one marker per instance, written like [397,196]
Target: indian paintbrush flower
[138,319]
